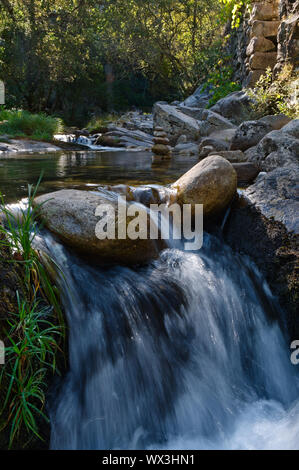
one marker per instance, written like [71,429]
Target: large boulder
[249,134]
[276,149]
[276,195]
[215,121]
[70,214]
[235,106]
[225,135]
[268,211]
[174,122]
[276,121]
[292,128]
[212,182]
[212,122]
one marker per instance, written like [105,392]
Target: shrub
[221,81]
[278,95]
[19,123]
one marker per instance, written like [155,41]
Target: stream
[184,353]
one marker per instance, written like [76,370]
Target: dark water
[80,169]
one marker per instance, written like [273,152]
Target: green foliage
[19,123]
[233,10]
[32,341]
[221,80]
[33,333]
[79,58]
[278,95]
[98,122]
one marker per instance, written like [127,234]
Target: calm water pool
[81,169]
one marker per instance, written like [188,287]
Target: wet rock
[27,146]
[212,182]
[70,214]
[161,145]
[161,140]
[108,141]
[264,210]
[159,149]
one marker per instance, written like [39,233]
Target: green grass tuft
[34,331]
[19,123]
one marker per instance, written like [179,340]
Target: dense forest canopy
[77,57]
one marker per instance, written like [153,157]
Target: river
[184,353]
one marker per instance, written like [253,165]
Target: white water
[181,354]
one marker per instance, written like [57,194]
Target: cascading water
[184,353]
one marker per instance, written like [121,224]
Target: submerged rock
[212,182]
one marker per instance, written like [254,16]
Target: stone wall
[267,37]
[288,34]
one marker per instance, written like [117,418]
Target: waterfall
[183,353]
